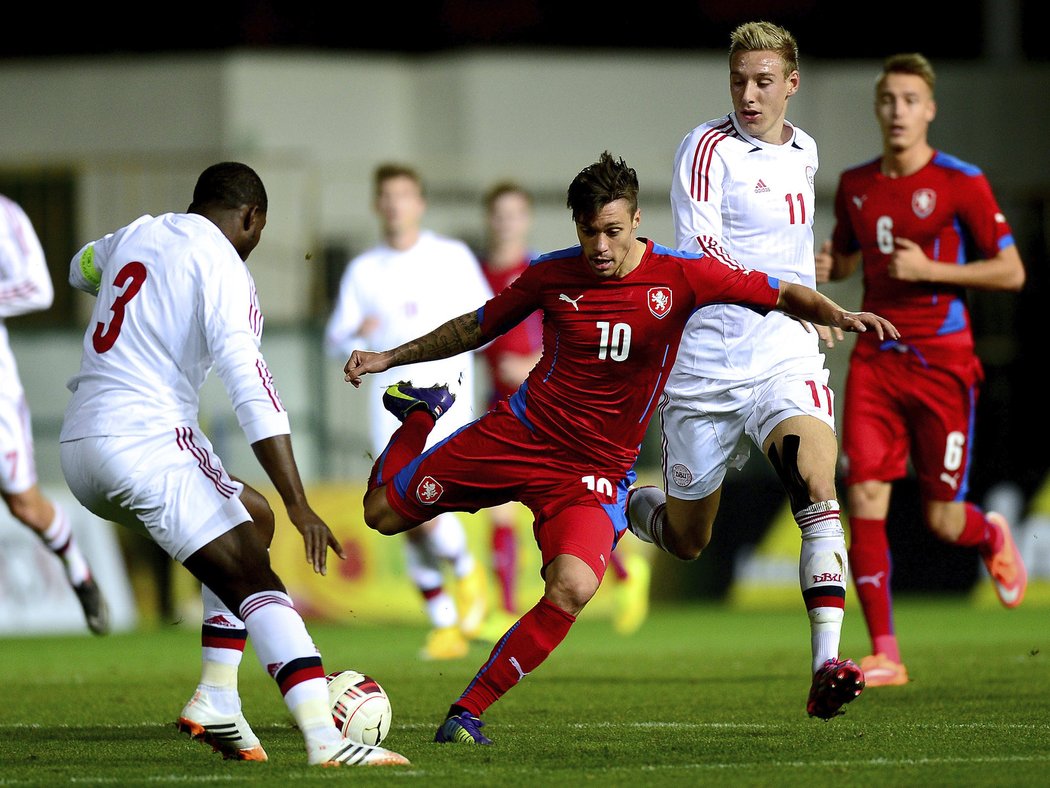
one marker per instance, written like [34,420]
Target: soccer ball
[360,706]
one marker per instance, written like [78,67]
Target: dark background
[825,29]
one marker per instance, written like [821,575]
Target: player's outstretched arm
[806,303]
[456,336]
[276,457]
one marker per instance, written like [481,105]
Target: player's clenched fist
[363,362]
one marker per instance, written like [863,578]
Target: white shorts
[17,464]
[171,484]
[704,433]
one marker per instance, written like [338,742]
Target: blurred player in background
[174,299]
[509,358]
[926,227]
[411,282]
[25,286]
[742,192]
[566,442]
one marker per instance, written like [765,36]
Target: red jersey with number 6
[948,209]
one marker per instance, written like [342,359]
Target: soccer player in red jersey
[509,358]
[926,227]
[566,442]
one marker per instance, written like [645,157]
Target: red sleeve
[724,284]
[980,213]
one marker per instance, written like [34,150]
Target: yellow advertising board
[372,584]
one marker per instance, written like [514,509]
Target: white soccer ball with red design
[360,706]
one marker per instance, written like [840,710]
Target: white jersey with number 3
[743,201]
[175,300]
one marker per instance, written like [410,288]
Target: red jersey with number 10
[609,344]
[948,209]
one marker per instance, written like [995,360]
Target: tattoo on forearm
[458,335]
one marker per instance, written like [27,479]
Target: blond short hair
[758,36]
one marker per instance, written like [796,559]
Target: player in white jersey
[25,286]
[175,300]
[413,281]
[743,192]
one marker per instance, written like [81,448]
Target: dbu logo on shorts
[428,490]
[681,474]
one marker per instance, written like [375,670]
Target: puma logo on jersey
[572,301]
[517,666]
[760,187]
[952,480]
[871,580]
[859,201]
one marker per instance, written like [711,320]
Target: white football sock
[220,656]
[280,639]
[60,540]
[447,540]
[823,572]
[425,570]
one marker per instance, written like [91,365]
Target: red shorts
[901,404]
[578,507]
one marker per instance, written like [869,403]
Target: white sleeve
[87,265]
[696,201]
[233,328]
[25,282]
[341,335]
[84,271]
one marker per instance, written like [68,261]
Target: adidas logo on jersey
[760,187]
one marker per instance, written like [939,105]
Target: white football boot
[350,753]
[227,734]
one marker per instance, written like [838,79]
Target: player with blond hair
[743,193]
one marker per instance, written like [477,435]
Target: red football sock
[618,567]
[980,533]
[871,566]
[505,562]
[404,445]
[517,654]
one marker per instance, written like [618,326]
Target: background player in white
[174,299]
[411,282]
[25,286]
[742,192]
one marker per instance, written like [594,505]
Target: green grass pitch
[701,695]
